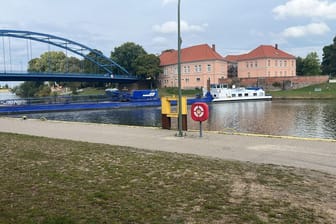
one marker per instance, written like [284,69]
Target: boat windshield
[218,86]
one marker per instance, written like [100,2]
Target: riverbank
[321,91]
[4,91]
[62,181]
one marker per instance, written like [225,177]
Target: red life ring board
[199,111]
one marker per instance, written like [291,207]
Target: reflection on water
[149,116]
[294,118]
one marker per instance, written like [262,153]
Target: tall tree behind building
[329,59]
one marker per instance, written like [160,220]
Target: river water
[301,118]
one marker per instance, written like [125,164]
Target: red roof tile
[232,58]
[265,51]
[195,53]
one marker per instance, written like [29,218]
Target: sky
[235,27]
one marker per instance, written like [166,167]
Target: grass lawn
[320,91]
[92,91]
[174,91]
[63,182]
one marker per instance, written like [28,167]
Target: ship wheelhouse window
[246,94]
[233,95]
[240,94]
[255,94]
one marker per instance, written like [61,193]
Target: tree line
[311,65]
[129,55]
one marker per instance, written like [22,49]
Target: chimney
[276,46]
[214,47]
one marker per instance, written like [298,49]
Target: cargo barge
[113,99]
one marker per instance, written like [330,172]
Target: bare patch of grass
[57,181]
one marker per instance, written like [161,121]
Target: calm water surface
[309,118]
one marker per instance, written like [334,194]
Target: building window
[186,69]
[280,62]
[285,63]
[251,64]
[198,79]
[256,64]
[198,68]
[247,64]
[209,68]
[276,63]
[269,63]
[269,74]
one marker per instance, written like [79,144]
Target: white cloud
[159,40]
[306,8]
[304,51]
[171,27]
[310,29]
[165,2]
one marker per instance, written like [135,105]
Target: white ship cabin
[223,92]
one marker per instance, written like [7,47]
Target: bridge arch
[72,46]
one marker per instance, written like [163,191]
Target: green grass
[327,91]
[52,181]
[92,91]
[174,91]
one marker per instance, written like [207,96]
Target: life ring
[198,111]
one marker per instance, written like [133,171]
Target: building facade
[198,64]
[264,61]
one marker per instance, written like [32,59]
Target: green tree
[90,67]
[126,54]
[31,89]
[299,66]
[329,59]
[311,65]
[72,65]
[148,66]
[52,61]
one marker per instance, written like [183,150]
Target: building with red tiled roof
[198,64]
[264,61]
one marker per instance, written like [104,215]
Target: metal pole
[179,41]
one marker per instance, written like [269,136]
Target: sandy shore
[305,153]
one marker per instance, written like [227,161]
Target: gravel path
[313,154]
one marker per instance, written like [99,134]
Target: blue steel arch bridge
[104,63]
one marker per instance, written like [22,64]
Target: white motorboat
[222,92]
